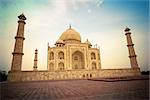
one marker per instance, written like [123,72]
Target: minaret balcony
[132,56]
[127,33]
[19,37]
[130,45]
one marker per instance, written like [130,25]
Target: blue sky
[101,21]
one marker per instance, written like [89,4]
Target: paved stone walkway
[76,90]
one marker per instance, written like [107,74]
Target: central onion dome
[70,35]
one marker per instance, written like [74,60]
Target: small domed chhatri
[127,29]
[87,42]
[60,41]
[70,35]
[22,16]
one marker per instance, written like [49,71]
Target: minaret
[35,60]
[18,48]
[69,26]
[48,55]
[130,46]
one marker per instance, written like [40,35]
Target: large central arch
[78,60]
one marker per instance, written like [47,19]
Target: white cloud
[99,2]
[89,10]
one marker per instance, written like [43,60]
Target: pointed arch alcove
[61,66]
[93,65]
[78,60]
[61,55]
[51,67]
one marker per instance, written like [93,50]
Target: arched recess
[51,56]
[61,55]
[93,56]
[98,56]
[90,75]
[61,66]
[93,65]
[51,67]
[78,60]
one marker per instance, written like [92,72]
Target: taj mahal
[71,54]
[70,58]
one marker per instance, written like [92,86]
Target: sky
[102,22]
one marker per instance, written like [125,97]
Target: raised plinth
[80,74]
